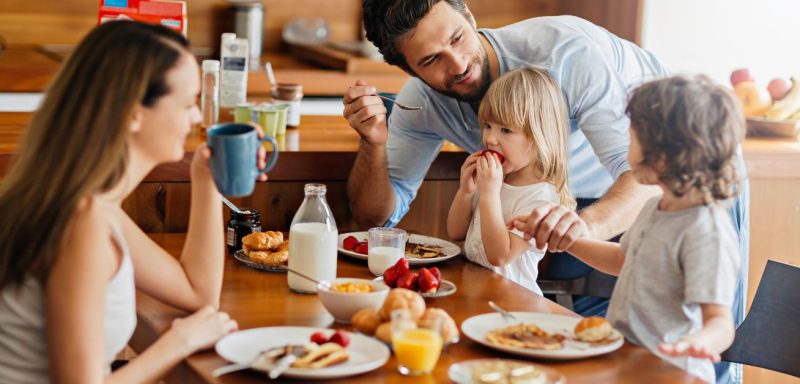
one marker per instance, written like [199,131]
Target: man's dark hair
[388,21]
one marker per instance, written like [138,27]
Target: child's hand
[490,174]
[689,346]
[467,180]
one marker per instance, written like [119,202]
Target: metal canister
[249,24]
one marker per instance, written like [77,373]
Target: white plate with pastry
[503,370]
[267,251]
[420,249]
[545,335]
[364,353]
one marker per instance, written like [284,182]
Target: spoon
[233,207]
[502,311]
[311,279]
[401,106]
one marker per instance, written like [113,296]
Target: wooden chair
[769,337]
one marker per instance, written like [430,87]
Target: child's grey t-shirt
[674,261]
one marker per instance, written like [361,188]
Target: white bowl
[342,306]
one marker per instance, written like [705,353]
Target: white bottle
[313,239]
[209,96]
[233,81]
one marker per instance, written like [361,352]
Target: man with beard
[451,64]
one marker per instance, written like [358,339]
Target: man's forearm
[369,190]
[614,213]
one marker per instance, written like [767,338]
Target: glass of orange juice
[417,349]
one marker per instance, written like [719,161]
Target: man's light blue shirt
[595,70]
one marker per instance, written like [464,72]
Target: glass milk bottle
[313,238]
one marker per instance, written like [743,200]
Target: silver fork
[401,106]
[241,366]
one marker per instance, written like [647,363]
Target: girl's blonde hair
[76,143]
[530,100]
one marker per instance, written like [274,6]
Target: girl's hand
[689,346]
[202,329]
[200,168]
[467,183]
[489,174]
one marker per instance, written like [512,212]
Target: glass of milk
[313,241]
[386,247]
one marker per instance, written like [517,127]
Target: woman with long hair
[123,103]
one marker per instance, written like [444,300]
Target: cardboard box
[169,13]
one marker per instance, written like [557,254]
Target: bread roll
[403,298]
[366,321]
[448,330]
[384,332]
[593,329]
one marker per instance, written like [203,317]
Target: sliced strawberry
[499,155]
[436,273]
[340,337]
[408,281]
[362,248]
[390,276]
[402,266]
[427,281]
[349,243]
[319,338]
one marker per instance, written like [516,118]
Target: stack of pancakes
[268,248]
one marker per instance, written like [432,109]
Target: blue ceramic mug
[234,151]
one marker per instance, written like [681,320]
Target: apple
[739,75]
[755,100]
[778,88]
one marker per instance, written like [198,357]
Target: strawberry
[436,273]
[427,281]
[361,247]
[499,155]
[408,281]
[319,338]
[390,276]
[349,243]
[340,337]
[402,266]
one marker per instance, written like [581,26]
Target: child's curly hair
[692,127]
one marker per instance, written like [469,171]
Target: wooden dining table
[257,298]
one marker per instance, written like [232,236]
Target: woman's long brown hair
[76,143]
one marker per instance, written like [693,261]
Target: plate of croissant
[267,251]
[324,362]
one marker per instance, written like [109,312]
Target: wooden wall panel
[24,22]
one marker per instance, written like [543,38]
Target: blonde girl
[524,119]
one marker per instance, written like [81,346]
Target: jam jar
[241,225]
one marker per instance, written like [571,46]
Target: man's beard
[476,95]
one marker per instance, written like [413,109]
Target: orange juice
[417,350]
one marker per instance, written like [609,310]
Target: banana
[786,107]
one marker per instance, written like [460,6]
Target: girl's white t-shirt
[514,201]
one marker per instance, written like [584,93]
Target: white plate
[244,259]
[366,353]
[450,250]
[461,372]
[446,288]
[477,327]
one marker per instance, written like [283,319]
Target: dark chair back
[595,283]
[769,337]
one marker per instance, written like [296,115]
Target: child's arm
[501,246]
[710,341]
[603,256]
[460,214]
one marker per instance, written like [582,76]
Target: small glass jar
[241,225]
[290,94]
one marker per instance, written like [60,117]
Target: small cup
[386,247]
[283,113]
[234,152]
[242,113]
[417,350]
[267,119]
